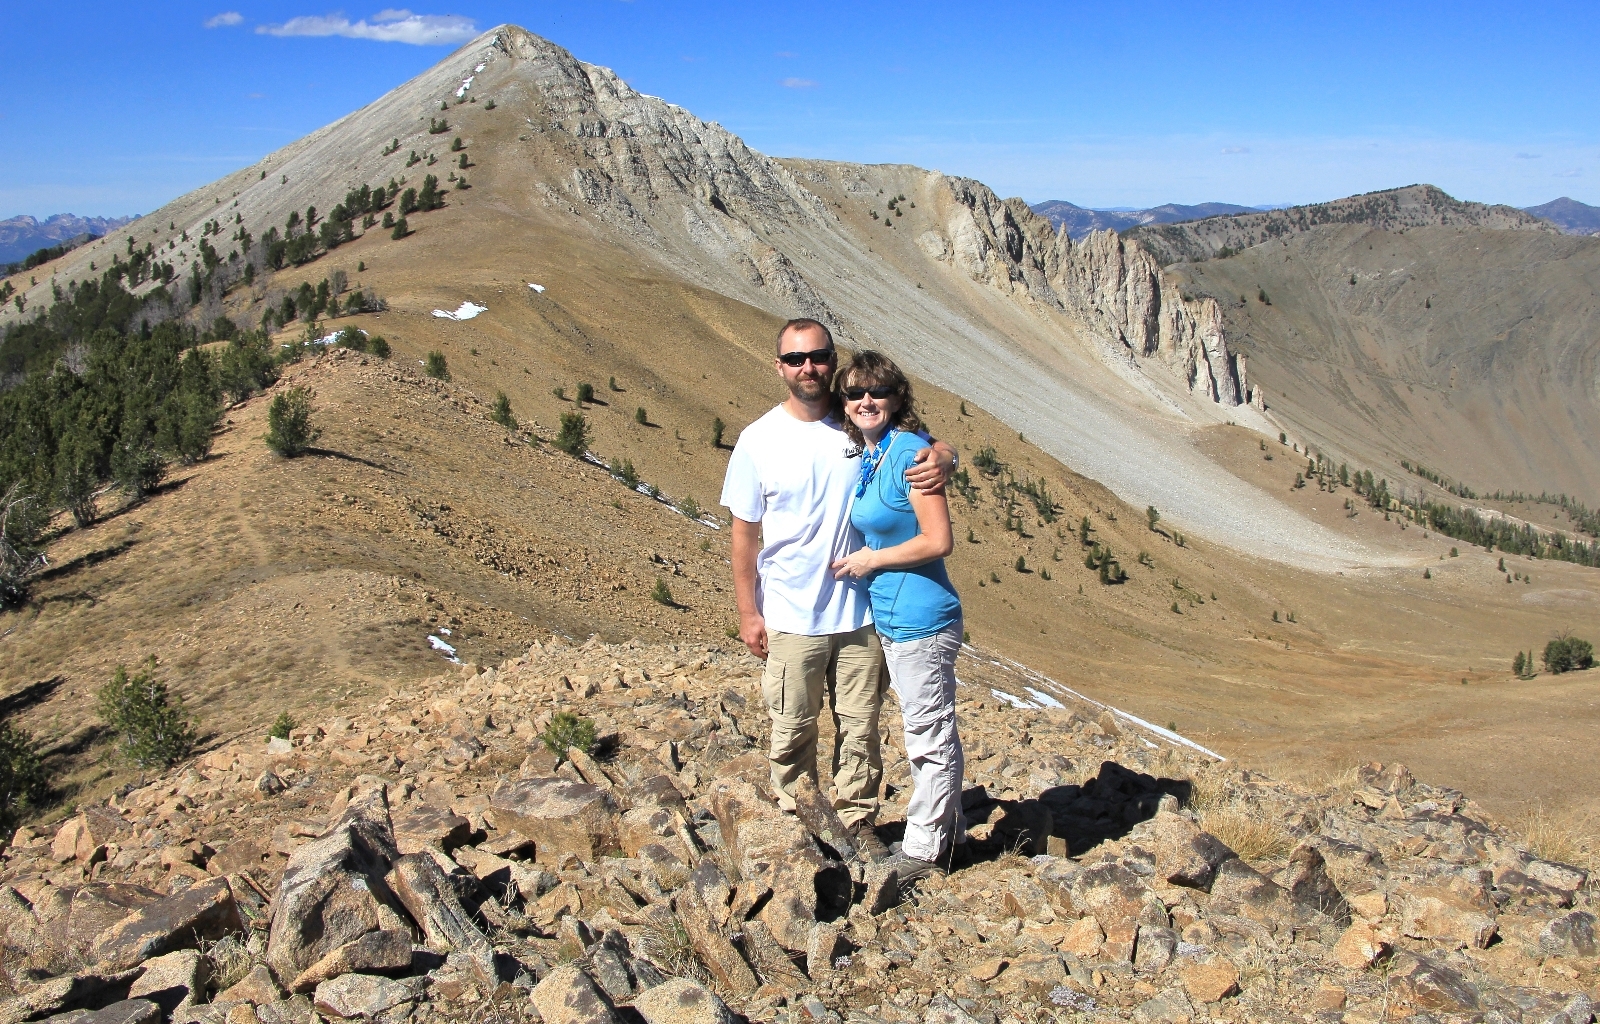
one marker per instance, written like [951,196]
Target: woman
[915,609]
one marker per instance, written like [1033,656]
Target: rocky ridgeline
[430,860]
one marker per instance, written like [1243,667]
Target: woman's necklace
[871,456]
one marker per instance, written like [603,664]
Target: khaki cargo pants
[850,666]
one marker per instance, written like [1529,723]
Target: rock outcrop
[1098,879]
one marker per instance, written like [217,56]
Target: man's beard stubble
[809,389]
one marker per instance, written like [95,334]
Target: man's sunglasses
[878,391]
[818,357]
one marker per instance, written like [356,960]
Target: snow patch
[480,67]
[1017,668]
[1012,699]
[466,84]
[443,648]
[466,311]
[536,287]
[1044,699]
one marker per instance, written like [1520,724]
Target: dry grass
[668,947]
[1246,831]
[1564,838]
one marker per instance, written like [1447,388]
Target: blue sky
[117,108]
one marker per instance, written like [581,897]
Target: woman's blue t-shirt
[907,604]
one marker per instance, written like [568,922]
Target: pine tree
[436,366]
[501,413]
[574,435]
[289,429]
[717,428]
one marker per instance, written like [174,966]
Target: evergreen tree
[289,429]
[501,412]
[574,435]
[401,229]
[436,367]
[717,429]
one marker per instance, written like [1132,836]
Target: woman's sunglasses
[818,357]
[878,391]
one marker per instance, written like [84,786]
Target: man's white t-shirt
[796,479]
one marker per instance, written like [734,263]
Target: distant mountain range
[1081,221]
[21,236]
[1571,216]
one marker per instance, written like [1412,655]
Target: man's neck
[808,411]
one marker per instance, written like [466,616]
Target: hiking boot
[867,842]
[912,870]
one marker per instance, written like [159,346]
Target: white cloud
[227,19]
[798,83]
[1527,156]
[387,26]
[1234,150]
[1576,172]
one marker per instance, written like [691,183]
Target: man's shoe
[912,870]
[867,842]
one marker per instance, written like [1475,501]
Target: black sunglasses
[878,391]
[798,359]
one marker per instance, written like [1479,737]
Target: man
[788,487]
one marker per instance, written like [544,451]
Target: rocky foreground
[430,860]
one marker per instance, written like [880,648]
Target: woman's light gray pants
[922,674]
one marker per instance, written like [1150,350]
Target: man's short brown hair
[803,323]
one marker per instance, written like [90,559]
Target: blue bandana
[871,456]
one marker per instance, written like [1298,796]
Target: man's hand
[753,631]
[746,538]
[931,468]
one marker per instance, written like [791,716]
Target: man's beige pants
[850,666]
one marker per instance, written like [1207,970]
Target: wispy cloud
[387,26]
[1527,156]
[1576,172]
[227,19]
[798,83]
[1234,150]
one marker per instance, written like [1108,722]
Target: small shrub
[1568,654]
[662,594]
[282,726]
[1275,616]
[566,731]
[1022,564]
[1454,553]
[379,346]
[153,729]
[560,393]
[1044,574]
[585,393]
[622,469]
[436,367]
[23,783]
[641,417]
[691,508]
[289,429]
[1152,515]
[401,228]
[573,437]
[1427,574]
[612,384]
[1517,665]
[488,104]
[1175,609]
[717,429]
[501,411]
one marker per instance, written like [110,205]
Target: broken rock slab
[333,890]
[560,815]
[128,1011]
[350,996]
[376,952]
[173,981]
[1184,854]
[205,910]
[567,996]
[257,988]
[682,1001]
[73,992]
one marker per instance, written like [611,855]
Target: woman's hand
[857,564]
